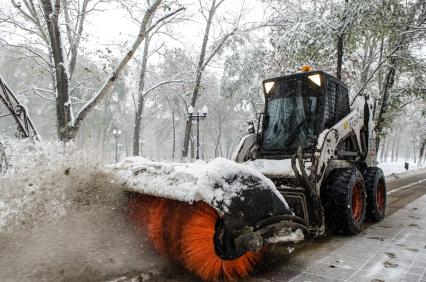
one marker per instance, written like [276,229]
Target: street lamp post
[413,140]
[116,134]
[200,116]
[120,149]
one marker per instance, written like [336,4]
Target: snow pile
[289,237]
[216,182]
[273,167]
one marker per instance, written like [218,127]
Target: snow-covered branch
[143,32]
[164,18]
[217,48]
[161,84]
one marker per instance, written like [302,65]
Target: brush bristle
[185,233]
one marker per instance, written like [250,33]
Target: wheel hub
[357,202]
[380,196]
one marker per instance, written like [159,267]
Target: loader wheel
[344,200]
[375,185]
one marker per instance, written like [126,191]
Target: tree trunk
[395,142]
[63,103]
[219,137]
[422,152]
[368,57]
[174,134]
[157,147]
[387,84]
[380,72]
[74,36]
[192,147]
[106,121]
[228,143]
[397,147]
[388,145]
[339,57]
[198,77]
[140,105]
[340,46]
[382,152]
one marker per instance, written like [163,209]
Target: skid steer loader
[319,157]
[331,173]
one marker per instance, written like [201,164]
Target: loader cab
[298,108]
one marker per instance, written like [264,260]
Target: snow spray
[63,218]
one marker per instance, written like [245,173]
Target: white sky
[113,26]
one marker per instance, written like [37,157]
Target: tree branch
[75,43]
[161,84]
[143,32]
[218,47]
[164,18]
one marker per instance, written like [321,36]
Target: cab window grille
[330,105]
[342,103]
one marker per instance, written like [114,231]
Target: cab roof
[303,74]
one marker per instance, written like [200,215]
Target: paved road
[404,191]
[391,250]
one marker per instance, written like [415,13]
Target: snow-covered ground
[398,167]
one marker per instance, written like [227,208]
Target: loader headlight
[269,86]
[316,78]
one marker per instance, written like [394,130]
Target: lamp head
[205,110]
[190,110]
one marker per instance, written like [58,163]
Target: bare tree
[141,87]
[67,125]
[203,61]
[422,152]
[140,101]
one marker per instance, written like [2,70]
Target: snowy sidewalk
[392,250]
[398,167]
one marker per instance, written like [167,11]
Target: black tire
[344,200]
[375,185]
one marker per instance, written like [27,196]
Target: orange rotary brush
[199,252]
[185,233]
